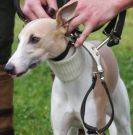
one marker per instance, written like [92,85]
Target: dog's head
[40,40]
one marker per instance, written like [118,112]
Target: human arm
[94,13]
[90,13]
[123,4]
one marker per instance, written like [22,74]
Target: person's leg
[6,83]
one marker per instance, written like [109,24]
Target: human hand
[92,14]
[33,9]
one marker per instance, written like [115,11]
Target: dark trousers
[7,14]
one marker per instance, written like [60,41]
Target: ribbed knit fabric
[69,68]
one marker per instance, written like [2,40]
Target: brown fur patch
[111,76]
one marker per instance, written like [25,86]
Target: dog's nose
[10,69]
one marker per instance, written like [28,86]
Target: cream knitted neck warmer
[70,68]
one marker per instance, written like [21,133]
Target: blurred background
[32,92]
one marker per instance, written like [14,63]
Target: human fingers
[52,4]
[39,11]
[34,10]
[29,14]
[75,22]
[84,35]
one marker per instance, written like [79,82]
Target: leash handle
[91,129]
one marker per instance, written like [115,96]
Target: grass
[32,92]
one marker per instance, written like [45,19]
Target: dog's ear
[66,13]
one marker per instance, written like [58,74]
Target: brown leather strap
[6,103]
[1,67]
[3,74]
[7,132]
[6,112]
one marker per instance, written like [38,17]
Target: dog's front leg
[60,120]
[61,114]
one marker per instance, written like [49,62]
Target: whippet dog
[44,39]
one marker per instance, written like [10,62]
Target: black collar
[72,39]
[64,54]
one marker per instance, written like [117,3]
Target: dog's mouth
[30,67]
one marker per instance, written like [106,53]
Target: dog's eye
[33,39]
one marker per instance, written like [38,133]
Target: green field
[32,92]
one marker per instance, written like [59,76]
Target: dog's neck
[70,67]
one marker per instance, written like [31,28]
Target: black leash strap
[20,13]
[91,129]
[115,28]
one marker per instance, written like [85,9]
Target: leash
[91,129]
[113,31]
[19,11]
[95,75]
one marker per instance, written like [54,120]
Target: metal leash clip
[112,38]
[96,55]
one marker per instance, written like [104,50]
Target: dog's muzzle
[11,68]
